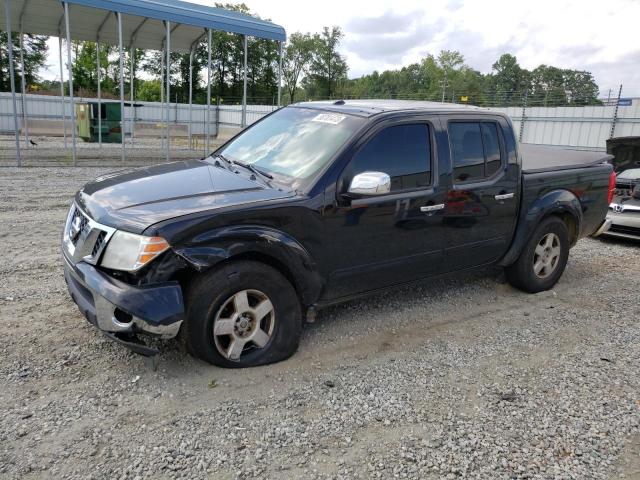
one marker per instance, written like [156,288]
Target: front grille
[84,238]
[624,229]
[100,241]
[78,226]
[624,189]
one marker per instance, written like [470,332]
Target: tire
[535,269]
[232,300]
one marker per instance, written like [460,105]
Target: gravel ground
[463,377]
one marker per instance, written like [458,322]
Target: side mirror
[370,183]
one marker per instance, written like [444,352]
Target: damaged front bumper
[121,310]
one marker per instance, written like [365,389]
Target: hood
[631,175]
[135,199]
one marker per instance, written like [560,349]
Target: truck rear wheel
[543,259]
[243,314]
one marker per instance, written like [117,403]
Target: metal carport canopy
[142,21]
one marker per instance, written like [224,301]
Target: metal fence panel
[579,127]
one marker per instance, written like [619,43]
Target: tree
[262,70]
[153,62]
[296,60]
[580,87]
[547,87]
[35,57]
[138,56]
[509,82]
[449,61]
[327,65]
[149,91]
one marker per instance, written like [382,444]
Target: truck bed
[539,158]
[583,174]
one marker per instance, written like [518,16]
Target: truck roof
[368,108]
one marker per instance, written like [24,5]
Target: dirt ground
[462,377]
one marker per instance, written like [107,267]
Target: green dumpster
[88,125]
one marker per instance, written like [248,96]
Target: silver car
[624,210]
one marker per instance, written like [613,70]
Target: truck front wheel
[242,314]
[543,259]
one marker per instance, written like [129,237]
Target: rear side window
[475,150]
[491,148]
[402,151]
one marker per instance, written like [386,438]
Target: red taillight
[612,186]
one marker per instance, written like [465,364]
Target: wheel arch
[257,243]
[560,203]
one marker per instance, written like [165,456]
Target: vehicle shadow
[628,242]
[396,300]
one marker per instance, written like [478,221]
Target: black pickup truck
[315,204]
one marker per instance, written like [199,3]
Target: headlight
[129,252]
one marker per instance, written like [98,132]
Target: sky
[600,37]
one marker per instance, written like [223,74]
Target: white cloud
[600,37]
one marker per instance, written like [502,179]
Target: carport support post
[64,114]
[7,14]
[162,96]
[244,86]
[190,92]
[23,89]
[99,93]
[122,133]
[69,66]
[168,48]
[131,88]
[279,72]
[207,126]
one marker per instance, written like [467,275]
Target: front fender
[208,249]
[551,203]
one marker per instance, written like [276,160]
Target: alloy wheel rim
[244,322]
[546,255]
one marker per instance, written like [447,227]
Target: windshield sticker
[330,118]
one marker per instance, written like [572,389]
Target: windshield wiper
[222,157]
[249,166]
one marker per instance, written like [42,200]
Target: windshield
[296,142]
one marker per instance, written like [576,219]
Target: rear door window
[466,150]
[401,151]
[491,148]
[475,150]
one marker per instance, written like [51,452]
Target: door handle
[432,208]
[504,196]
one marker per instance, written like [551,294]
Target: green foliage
[552,86]
[313,68]
[296,60]
[328,68]
[509,82]
[84,68]
[35,57]
[448,78]
[148,91]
